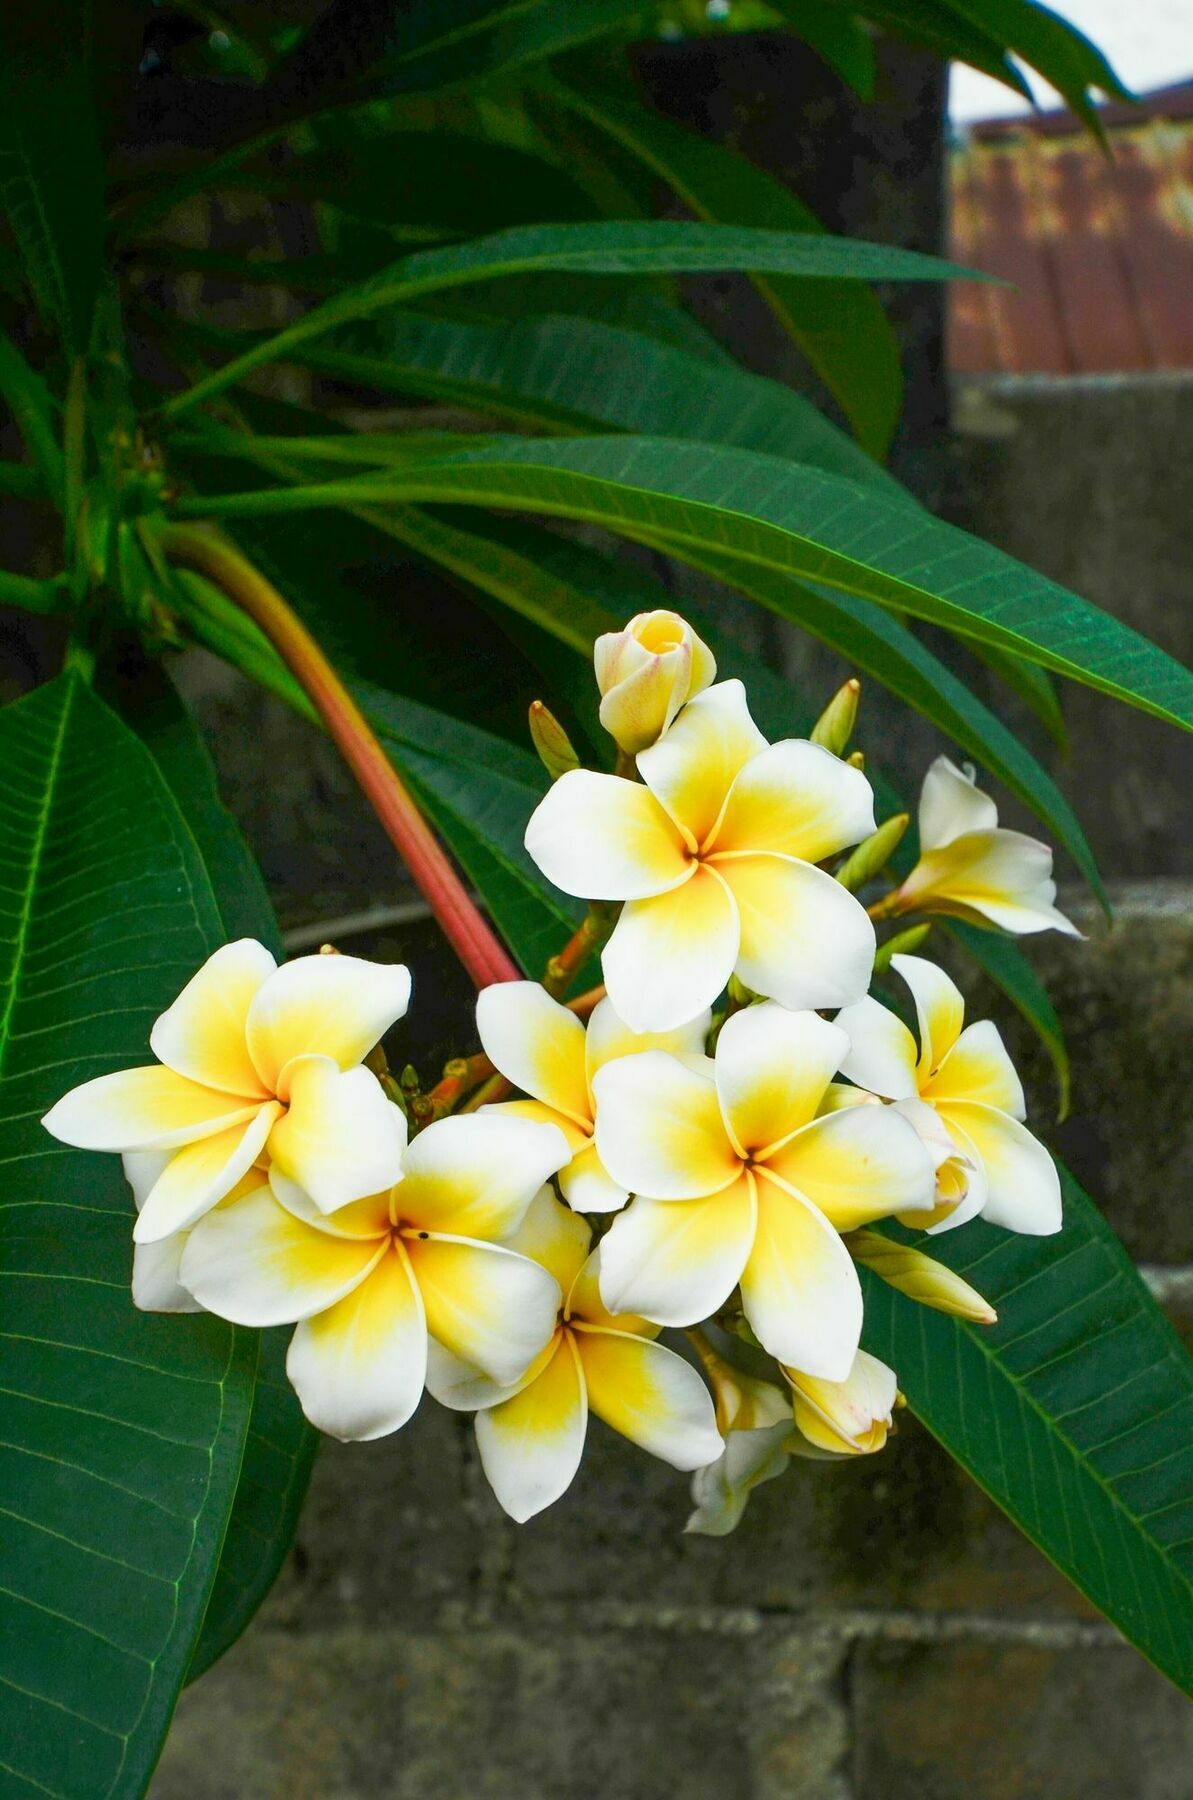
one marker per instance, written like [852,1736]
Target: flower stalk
[470,937]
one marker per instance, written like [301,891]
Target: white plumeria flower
[850,1417]
[715,860]
[754,1418]
[542,1048]
[531,1439]
[960,1091]
[974,869]
[646,673]
[253,1060]
[738,1180]
[368,1282]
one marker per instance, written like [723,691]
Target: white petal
[677,1261]
[604,838]
[609,1037]
[940,1008]
[799,800]
[799,1288]
[198,1176]
[693,765]
[143,1109]
[475,1174]
[335,1006]
[978,1068]
[659,1129]
[553,1236]
[530,1446]
[720,1492]
[1023,1185]
[857,1165]
[650,1396]
[670,956]
[340,1138]
[359,1367]
[141,1170]
[772,1067]
[487,1305]
[255,1264]
[156,1284]
[588,1187]
[536,1043]
[882,1052]
[951,804]
[202,1035]
[367,1218]
[1000,877]
[461,1388]
[805,940]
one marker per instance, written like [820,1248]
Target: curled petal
[882,1053]
[978,1068]
[805,940]
[659,1129]
[475,1174]
[487,1305]
[857,1165]
[198,1176]
[951,805]
[693,766]
[677,1261]
[940,1009]
[255,1264]
[340,1138]
[1001,878]
[144,1109]
[772,1067]
[850,1417]
[202,1035]
[650,1396]
[799,800]
[332,1006]
[601,837]
[799,1288]
[670,956]
[537,1044]
[359,1367]
[1023,1188]
[530,1446]
[721,1491]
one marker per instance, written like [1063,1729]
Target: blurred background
[875,1631]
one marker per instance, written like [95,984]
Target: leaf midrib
[37,850]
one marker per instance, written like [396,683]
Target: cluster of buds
[704,1146]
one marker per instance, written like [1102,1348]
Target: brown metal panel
[1153,180]
[1025,315]
[972,344]
[1096,299]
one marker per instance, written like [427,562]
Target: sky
[1149,43]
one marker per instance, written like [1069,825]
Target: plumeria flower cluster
[706,1146]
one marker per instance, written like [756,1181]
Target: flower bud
[904,943]
[920,1277]
[834,728]
[646,673]
[551,741]
[850,1417]
[743,1402]
[872,856]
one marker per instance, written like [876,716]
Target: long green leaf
[122,1433]
[1074,1413]
[1049,44]
[639,247]
[797,520]
[28,400]
[841,328]
[51,161]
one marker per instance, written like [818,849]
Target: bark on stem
[470,937]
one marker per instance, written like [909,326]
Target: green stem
[31,595]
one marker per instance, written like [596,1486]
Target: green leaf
[28,400]
[1049,44]
[838,39]
[935,25]
[1033,686]
[637,247]
[51,161]
[123,1433]
[786,517]
[280,1446]
[1074,1412]
[840,327]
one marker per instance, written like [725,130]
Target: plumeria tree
[720,1160]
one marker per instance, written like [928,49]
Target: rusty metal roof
[1100,248]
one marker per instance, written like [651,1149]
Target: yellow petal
[677,1261]
[487,1305]
[359,1367]
[583,1302]
[805,941]
[255,1264]
[537,1044]
[144,1109]
[474,1175]
[530,1446]
[1023,1188]
[202,1035]
[365,1218]
[799,1287]
[857,1165]
[340,1138]
[601,837]
[850,1417]
[587,1185]
[554,1237]
[978,1068]
[772,1067]
[608,1037]
[940,1009]
[692,767]
[659,1128]
[670,956]
[650,1396]
[198,1176]
[334,1006]
[798,800]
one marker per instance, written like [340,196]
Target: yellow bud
[834,728]
[743,1402]
[920,1277]
[646,673]
[846,1418]
[870,857]
[551,741]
